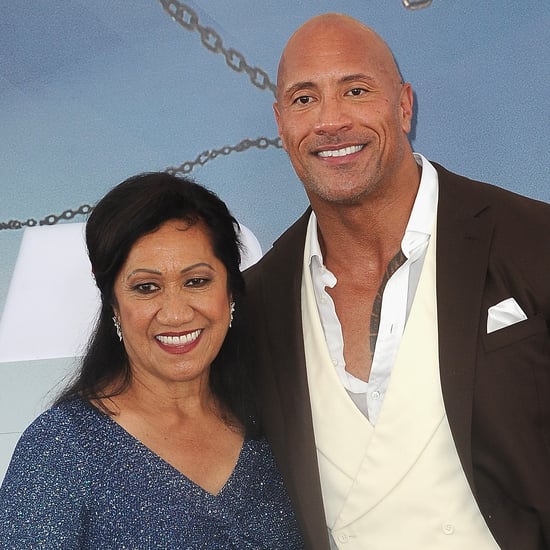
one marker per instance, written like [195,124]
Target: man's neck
[352,235]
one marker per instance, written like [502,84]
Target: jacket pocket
[514,333]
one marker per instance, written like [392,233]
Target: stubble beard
[343,189]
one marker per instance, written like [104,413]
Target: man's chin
[345,194]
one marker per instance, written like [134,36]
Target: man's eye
[357,92]
[303,100]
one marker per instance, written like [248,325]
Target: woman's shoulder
[65,416]
[64,425]
[258,457]
[257,443]
[53,450]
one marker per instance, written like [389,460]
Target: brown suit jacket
[491,245]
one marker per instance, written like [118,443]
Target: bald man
[401,325]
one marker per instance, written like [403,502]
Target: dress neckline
[134,441]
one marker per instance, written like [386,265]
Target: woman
[154,444]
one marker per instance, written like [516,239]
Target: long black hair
[134,208]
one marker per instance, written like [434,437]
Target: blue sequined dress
[79,480]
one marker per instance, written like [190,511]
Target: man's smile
[340,152]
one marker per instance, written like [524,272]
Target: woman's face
[174,305]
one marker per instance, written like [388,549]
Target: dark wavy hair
[134,208]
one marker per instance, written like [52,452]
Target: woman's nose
[175,309]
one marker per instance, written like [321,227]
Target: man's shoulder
[286,250]
[463,196]
[462,186]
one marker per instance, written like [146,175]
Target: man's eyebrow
[305,84]
[357,76]
[299,86]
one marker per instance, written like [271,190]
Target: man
[401,325]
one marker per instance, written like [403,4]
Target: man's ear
[406,102]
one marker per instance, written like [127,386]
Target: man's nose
[333,116]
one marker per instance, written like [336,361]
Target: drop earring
[231,311]
[116,322]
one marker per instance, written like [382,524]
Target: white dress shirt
[396,300]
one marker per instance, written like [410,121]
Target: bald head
[337,32]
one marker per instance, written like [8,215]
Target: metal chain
[211,154]
[185,16]
[51,219]
[185,168]
[189,20]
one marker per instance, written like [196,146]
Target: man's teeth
[179,340]
[341,152]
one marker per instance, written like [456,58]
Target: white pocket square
[504,314]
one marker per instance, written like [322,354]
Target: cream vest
[398,485]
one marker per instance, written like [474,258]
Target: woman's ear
[116,322]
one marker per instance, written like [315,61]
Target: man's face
[343,113]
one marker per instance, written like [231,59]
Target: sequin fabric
[78,480]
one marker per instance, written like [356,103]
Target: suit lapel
[464,234]
[284,375]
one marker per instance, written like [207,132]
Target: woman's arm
[43,494]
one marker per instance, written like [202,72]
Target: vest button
[448,528]
[342,537]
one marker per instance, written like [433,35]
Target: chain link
[416,4]
[185,168]
[189,20]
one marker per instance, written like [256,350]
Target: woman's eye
[145,288]
[197,281]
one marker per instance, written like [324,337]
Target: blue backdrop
[93,92]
